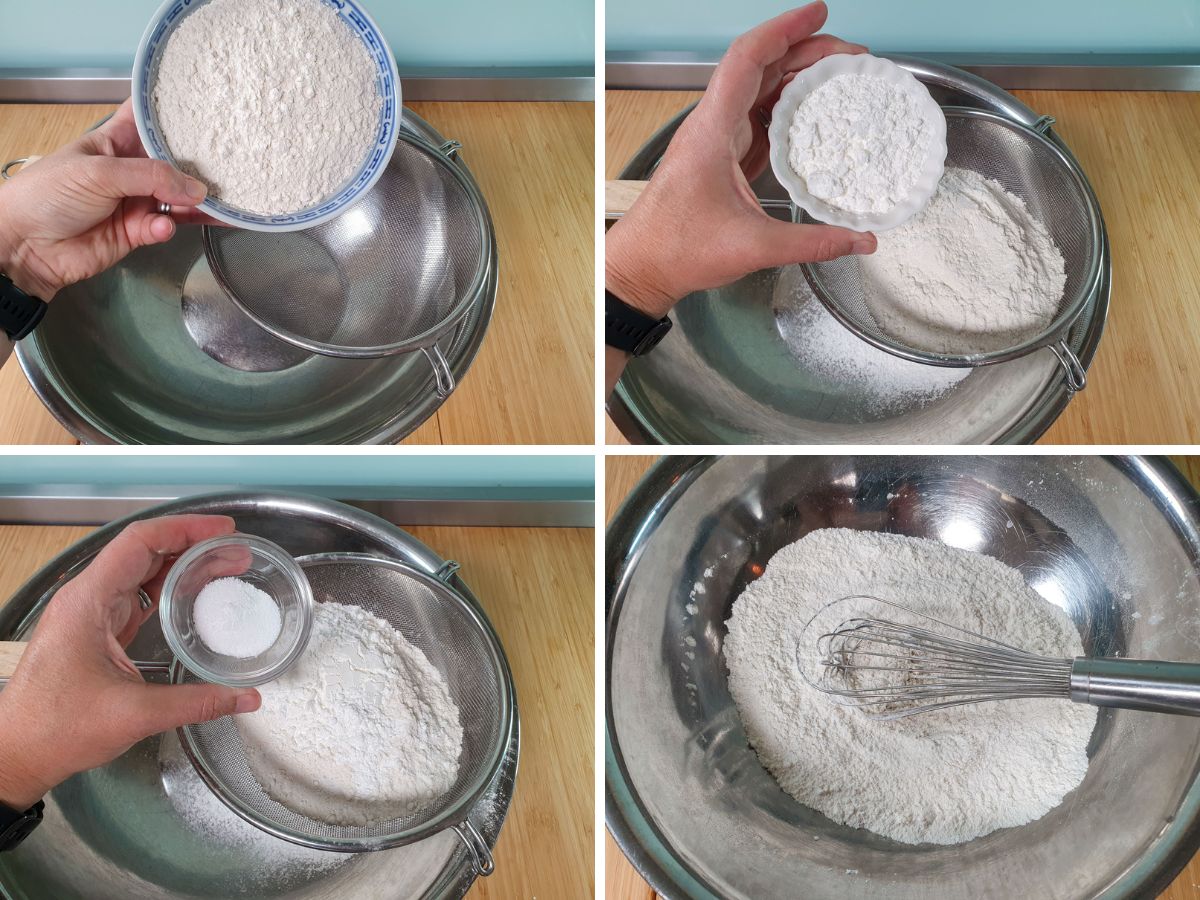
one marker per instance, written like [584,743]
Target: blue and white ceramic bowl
[145,68]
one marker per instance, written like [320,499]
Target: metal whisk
[910,663]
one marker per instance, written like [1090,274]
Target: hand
[697,224]
[76,212]
[76,701]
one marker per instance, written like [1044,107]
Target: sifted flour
[271,103]
[974,271]
[942,777]
[860,143]
[831,351]
[361,729]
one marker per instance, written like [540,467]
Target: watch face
[653,338]
[17,832]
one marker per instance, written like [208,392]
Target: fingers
[776,243]
[801,56]
[160,707]
[738,79]
[137,554]
[121,131]
[118,177]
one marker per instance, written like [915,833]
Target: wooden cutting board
[532,380]
[621,879]
[1139,152]
[536,585]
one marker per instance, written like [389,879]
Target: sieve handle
[1076,374]
[441,370]
[1166,687]
[477,847]
[620,195]
[6,172]
[12,651]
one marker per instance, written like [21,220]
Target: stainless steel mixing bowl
[113,833]
[727,374]
[153,352]
[1114,542]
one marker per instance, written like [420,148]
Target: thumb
[128,177]
[163,707]
[777,243]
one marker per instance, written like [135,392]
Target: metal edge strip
[111,85]
[508,513]
[687,71]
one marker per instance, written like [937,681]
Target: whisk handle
[1146,684]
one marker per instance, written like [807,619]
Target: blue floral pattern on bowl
[145,66]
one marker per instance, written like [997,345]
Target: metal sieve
[392,274]
[458,641]
[1055,191]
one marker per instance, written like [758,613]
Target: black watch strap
[19,312]
[16,826]
[630,329]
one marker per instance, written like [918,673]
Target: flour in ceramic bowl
[362,728]
[861,142]
[943,777]
[975,271]
[271,103]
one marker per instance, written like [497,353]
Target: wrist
[635,281]
[19,788]
[19,263]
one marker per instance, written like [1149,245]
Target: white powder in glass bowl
[235,618]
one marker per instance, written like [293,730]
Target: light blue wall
[1011,26]
[37,33]
[378,477]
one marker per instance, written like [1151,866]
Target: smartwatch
[16,826]
[19,312]
[631,330]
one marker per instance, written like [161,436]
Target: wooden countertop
[621,879]
[1139,152]
[532,380]
[537,587]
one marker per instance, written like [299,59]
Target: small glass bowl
[263,564]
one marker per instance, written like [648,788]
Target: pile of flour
[360,730]
[972,272]
[831,351]
[942,777]
[271,103]
[860,143]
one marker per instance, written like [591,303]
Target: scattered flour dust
[271,103]
[943,777]
[974,271]
[832,352]
[361,729]
[860,142]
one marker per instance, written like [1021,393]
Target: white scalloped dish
[804,84]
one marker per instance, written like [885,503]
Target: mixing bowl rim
[638,428]
[626,537]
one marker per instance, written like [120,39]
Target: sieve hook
[450,149]
[441,370]
[477,847]
[1076,374]
[447,571]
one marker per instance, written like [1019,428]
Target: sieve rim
[1055,332]
[454,815]
[443,156]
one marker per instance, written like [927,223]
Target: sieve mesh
[389,275]
[457,642]
[1032,168]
